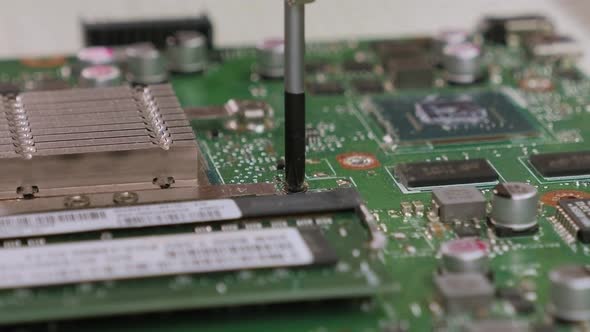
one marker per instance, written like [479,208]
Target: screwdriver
[295,94]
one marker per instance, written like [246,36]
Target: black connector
[118,33]
[498,29]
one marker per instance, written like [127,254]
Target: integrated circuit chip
[411,73]
[562,164]
[574,214]
[452,117]
[387,49]
[366,86]
[466,230]
[441,173]
[328,88]
[408,62]
[317,66]
[517,299]
[357,66]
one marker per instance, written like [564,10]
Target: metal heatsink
[99,139]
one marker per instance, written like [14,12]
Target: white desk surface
[29,27]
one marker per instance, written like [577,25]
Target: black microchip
[498,29]
[517,299]
[328,88]
[313,67]
[357,66]
[577,213]
[215,56]
[366,86]
[562,163]
[441,173]
[468,230]
[411,73]
[407,48]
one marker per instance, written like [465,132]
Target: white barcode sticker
[152,256]
[74,221]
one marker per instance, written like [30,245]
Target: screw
[164,182]
[27,192]
[77,201]
[126,197]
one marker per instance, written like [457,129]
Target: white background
[30,27]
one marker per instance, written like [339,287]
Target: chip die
[451,113]
[451,117]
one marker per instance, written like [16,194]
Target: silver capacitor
[99,76]
[467,255]
[96,55]
[570,293]
[187,52]
[270,55]
[145,64]
[449,37]
[514,206]
[462,62]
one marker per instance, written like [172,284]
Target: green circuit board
[379,129]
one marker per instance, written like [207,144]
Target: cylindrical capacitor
[514,206]
[467,255]
[271,58]
[187,52]
[449,37]
[145,64]
[570,293]
[462,62]
[96,55]
[100,76]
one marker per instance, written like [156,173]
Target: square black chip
[562,164]
[441,173]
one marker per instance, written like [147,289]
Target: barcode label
[74,221]
[152,256]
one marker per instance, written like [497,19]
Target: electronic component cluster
[155,181]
